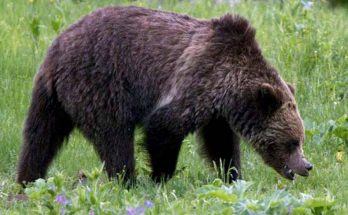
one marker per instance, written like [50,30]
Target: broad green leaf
[301,211]
[219,194]
[319,202]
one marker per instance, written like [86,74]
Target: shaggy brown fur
[125,66]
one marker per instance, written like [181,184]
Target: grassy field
[308,45]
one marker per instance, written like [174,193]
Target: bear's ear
[269,98]
[292,88]
[233,27]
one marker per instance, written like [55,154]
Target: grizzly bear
[122,67]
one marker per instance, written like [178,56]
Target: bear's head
[266,115]
[279,136]
[258,104]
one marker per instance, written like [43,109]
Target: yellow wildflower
[340,156]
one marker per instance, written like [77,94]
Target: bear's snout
[305,170]
[309,166]
[299,165]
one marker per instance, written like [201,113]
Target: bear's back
[118,54]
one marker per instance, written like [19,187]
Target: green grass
[309,48]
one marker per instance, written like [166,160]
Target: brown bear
[122,67]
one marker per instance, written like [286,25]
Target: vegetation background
[306,40]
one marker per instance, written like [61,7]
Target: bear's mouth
[288,173]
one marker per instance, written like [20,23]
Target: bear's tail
[46,127]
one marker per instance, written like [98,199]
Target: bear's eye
[293,144]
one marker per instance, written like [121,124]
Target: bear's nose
[309,166]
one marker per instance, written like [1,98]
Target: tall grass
[308,46]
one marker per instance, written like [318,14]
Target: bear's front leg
[116,149]
[165,130]
[221,146]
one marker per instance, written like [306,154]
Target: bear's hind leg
[46,127]
[221,145]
